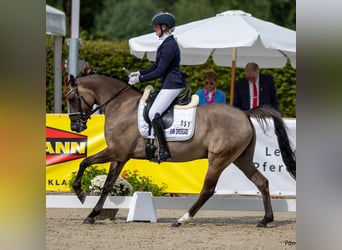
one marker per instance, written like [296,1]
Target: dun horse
[222,134]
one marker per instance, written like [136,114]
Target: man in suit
[255,89]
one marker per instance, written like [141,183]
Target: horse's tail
[260,114]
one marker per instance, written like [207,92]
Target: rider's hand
[133,80]
[136,73]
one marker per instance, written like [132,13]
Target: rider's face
[157,28]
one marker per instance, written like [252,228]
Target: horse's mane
[125,80]
[104,74]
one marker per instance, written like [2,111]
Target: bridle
[79,119]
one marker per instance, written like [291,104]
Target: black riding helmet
[164,18]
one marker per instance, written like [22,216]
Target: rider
[167,68]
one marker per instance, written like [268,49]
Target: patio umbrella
[232,38]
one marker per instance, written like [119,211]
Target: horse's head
[80,101]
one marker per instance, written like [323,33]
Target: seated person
[210,94]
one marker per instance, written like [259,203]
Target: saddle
[168,116]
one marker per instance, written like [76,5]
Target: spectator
[255,89]
[210,94]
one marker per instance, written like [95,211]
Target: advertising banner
[267,159]
[66,149]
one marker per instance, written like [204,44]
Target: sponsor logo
[62,146]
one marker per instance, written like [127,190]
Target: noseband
[79,119]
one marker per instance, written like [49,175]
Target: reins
[87,115]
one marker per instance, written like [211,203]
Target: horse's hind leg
[207,191]
[113,173]
[261,183]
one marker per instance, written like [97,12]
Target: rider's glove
[136,73]
[133,80]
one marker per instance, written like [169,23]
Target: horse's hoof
[82,196]
[264,221]
[261,224]
[176,224]
[89,220]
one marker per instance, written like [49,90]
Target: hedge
[110,56]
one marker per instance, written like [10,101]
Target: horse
[223,134]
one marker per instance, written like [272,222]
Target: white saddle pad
[183,125]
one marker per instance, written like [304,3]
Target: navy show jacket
[166,66]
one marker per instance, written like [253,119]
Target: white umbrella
[227,36]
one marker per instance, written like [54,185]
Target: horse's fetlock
[185,218]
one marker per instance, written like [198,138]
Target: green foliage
[187,11]
[109,57]
[285,80]
[88,175]
[122,19]
[143,183]
[138,182]
[49,74]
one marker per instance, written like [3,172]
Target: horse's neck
[123,96]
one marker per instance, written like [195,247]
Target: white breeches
[163,100]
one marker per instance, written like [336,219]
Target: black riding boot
[164,152]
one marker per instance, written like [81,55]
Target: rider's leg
[164,152]
[163,100]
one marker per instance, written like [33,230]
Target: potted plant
[121,188]
[126,184]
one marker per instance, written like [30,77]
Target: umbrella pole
[232,79]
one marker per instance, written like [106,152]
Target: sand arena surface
[207,230]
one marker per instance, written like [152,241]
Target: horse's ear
[72,81]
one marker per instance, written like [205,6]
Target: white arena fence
[142,205]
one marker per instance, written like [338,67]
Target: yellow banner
[66,149]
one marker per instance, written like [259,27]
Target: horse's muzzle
[78,122]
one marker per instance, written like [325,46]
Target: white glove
[133,80]
[136,73]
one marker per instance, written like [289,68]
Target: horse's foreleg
[77,185]
[100,157]
[113,173]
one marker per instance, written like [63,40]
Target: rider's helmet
[164,18]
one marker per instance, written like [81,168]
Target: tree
[121,19]
[88,10]
[188,11]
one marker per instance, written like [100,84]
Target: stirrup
[161,157]
[164,156]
